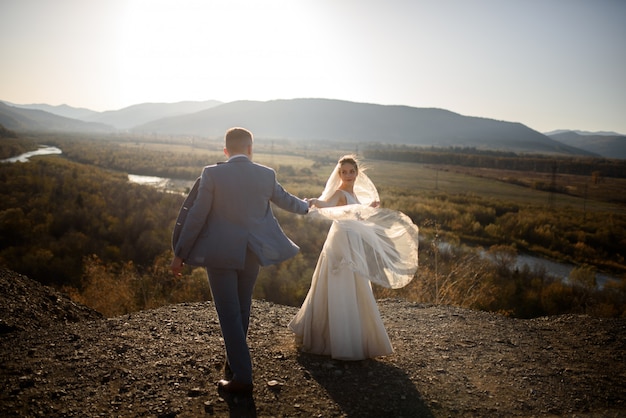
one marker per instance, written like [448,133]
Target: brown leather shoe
[233,386]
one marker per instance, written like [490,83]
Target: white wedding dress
[339,316]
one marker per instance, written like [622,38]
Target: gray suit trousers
[232,296]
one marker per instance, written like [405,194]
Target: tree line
[471,157]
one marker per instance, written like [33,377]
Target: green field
[421,178]
[390,176]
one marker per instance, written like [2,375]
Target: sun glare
[221,50]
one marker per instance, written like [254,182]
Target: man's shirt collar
[237,156]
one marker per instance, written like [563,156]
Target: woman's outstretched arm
[337,199]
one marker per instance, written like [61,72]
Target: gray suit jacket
[232,212]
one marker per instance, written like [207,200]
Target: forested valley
[75,222]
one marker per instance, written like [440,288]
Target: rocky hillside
[61,359]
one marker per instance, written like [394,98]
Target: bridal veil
[389,238]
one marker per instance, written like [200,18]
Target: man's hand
[177,266]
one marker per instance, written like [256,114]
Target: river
[555,269]
[163,184]
[158,182]
[24,158]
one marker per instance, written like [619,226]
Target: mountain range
[606,144]
[315,120]
[17,119]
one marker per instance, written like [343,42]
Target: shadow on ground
[366,388]
[239,405]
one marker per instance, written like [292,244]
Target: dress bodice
[350,198]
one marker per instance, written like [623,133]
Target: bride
[365,244]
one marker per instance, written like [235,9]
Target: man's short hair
[238,139]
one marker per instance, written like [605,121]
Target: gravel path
[60,359]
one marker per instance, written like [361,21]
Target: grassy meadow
[414,177]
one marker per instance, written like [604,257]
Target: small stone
[274,385]
[195,392]
[208,407]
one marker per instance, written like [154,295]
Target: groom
[230,229]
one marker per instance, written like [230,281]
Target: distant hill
[20,119]
[61,110]
[125,118]
[608,145]
[588,133]
[140,114]
[335,120]
[6,133]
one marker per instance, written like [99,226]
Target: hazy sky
[549,64]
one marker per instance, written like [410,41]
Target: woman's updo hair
[349,159]
[364,189]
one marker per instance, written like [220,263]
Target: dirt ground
[60,359]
